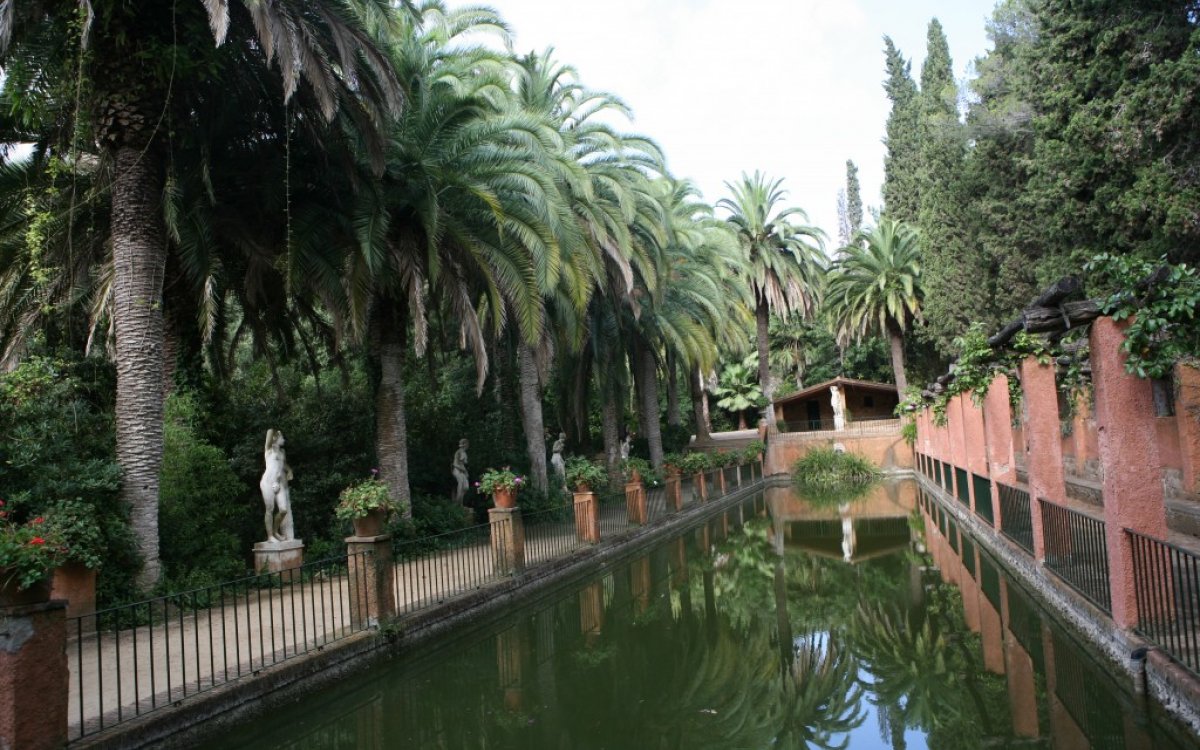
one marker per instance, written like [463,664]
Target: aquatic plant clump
[829,477]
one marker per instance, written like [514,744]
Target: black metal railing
[983,498]
[1016,522]
[614,516]
[549,533]
[1076,551]
[656,503]
[134,659]
[961,490]
[431,569]
[1167,583]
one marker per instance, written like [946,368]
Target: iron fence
[656,503]
[432,569]
[1076,551]
[549,533]
[614,517]
[1167,582]
[134,659]
[983,498]
[879,425]
[1016,522]
[961,490]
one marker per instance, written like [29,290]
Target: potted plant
[583,474]
[636,468]
[673,462]
[695,463]
[367,504]
[503,485]
[28,554]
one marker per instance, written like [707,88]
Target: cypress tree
[854,204]
[901,196]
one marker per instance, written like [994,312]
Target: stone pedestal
[372,579]
[587,518]
[720,477]
[635,503]
[33,676]
[278,557]
[508,539]
[699,487]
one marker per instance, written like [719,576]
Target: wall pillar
[1043,436]
[974,447]
[1187,421]
[674,490]
[1133,489]
[508,539]
[33,676]
[587,517]
[699,487]
[998,437]
[372,585]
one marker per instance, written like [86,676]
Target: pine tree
[901,195]
[844,230]
[854,204]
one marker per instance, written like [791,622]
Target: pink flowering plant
[500,479]
[28,551]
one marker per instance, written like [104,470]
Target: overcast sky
[791,87]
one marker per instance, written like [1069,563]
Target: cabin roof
[813,390]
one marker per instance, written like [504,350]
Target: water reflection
[754,630]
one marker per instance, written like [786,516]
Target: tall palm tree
[785,256]
[324,44]
[875,287]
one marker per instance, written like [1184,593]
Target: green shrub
[202,504]
[580,471]
[694,463]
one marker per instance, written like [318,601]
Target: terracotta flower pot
[12,596]
[371,524]
[505,498]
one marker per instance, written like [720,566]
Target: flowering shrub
[29,551]
[360,498]
[502,479]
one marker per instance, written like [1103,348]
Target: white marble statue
[838,401]
[274,485]
[625,447]
[556,458]
[459,469]
[849,537]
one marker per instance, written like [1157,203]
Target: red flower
[38,520]
[37,541]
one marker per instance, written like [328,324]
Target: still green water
[775,624]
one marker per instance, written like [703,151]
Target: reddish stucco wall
[885,451]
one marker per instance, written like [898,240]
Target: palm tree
[875,286]
[737,390]
[784,254]
[322,43]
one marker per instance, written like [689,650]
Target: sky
[789,87]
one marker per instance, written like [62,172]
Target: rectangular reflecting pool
[779,623]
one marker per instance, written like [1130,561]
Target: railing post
[635,502]
[674,489]
[720,475]
[1043,436]
[372,584]
[1133,490]
[587,517]
[34,679]
[699,489]
[508,539]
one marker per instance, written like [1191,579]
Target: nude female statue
[556,458]
[274,485]
[459,469]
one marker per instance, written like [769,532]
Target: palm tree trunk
[896,339]
[611,426]
[674,416]
[763,316]
[699,404]
[391,428]
[139,261]
[647,370]
[531,415]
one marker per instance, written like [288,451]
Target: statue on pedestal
[556,458]
[274,486]
[459,469]
[839,408]
[625,446]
